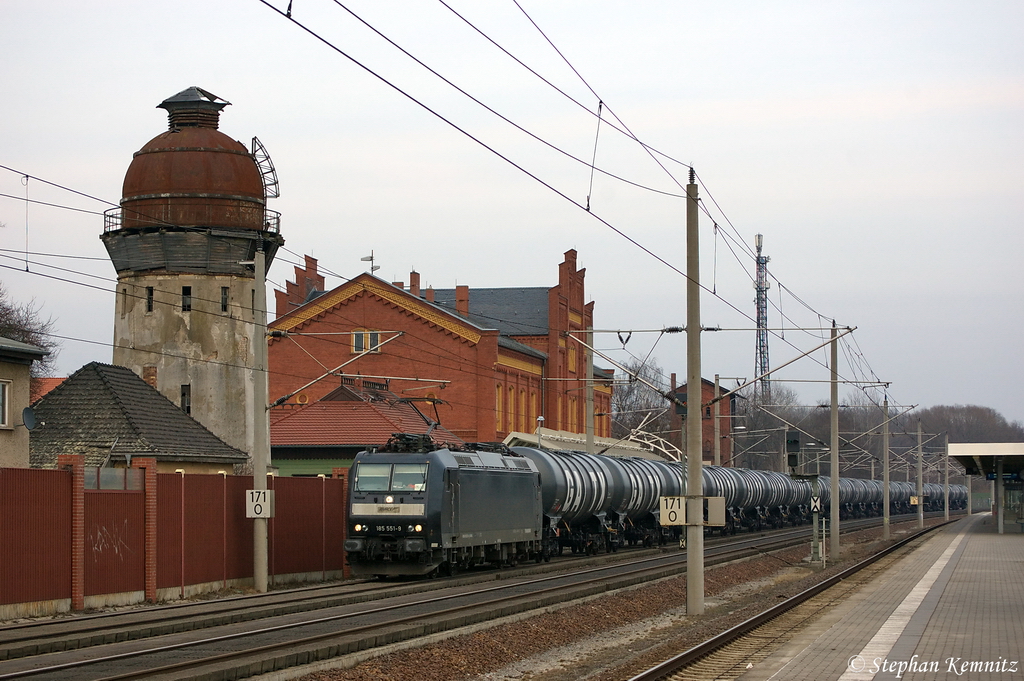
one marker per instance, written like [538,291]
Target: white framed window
[365,341]
[5,404]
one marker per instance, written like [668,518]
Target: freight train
[418,508]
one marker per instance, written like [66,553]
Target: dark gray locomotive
[418,509]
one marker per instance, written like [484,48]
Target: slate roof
[348,423]
[517,311]
[103,410]
[509,343]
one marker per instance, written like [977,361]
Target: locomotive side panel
[496,506]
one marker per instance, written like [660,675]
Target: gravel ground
[616,636]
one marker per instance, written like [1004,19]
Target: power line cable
[493,111]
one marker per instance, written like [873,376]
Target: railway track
[729,654]
[272,631]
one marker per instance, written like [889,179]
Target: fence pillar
[342,473]
[148,464]
[76,464]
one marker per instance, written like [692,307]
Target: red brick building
[496,358]
[726,412]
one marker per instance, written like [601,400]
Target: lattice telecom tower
[761,286]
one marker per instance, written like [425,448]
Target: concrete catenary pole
[590,390]
[833,474]
[718,424]
[261,421]
[945,485]
[694,477]
[920,478]
[886,499]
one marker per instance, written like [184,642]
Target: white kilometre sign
[673,511]
[259,503]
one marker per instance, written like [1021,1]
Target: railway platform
[951,609]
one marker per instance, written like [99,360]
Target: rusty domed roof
[193,174]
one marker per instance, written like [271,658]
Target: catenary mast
[761,286]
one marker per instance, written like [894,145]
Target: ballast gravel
[616,636]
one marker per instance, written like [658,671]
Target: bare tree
[633,401]
[24,322]
[968,423]
[764,423]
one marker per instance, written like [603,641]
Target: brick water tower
[192,217]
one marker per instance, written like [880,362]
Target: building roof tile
[347,423]
[106,411]
[514,311]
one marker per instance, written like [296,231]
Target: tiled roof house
[108,413]
[313,438]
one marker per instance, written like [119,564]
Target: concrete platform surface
[953,609]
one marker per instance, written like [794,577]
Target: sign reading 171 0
[259,503]
[673,511]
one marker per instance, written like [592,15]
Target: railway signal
[793,446]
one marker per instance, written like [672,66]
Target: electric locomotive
[416,508]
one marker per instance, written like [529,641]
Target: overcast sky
[877,146]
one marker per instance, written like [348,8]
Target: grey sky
[875,145]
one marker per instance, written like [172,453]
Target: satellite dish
[28,417]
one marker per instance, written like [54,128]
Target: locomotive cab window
[409,476]
[373,477]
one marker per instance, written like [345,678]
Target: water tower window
[149,299]
[224,298]
[186,298]
[186,398]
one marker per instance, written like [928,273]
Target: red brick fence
[66,545]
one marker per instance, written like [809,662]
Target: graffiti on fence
[113,539]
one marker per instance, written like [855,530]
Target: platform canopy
[979,458]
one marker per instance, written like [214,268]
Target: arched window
[522,412]
[497,408]
[511,408]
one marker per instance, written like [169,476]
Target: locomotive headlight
[389,499]
[419,528]
[359,528]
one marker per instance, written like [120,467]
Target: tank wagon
[418,508]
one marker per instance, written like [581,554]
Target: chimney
[398,284]
[429,294]
[462,300]
[414,283]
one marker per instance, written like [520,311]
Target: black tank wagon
[418,508]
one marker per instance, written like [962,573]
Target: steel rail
[684,659]
[730,548]
[668,562]
[336,634]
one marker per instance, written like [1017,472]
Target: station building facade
[484,362]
